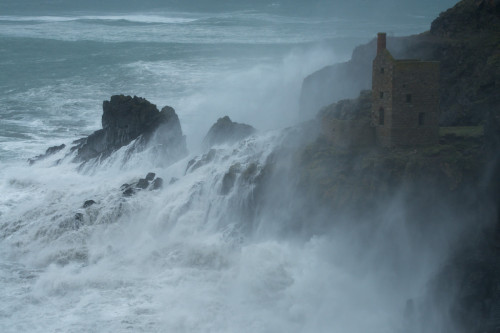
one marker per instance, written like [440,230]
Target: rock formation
[227,131]
[48,152]
[151,182]
[126,119]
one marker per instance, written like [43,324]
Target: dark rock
[129,192]
[48,152]
[173,180]
[229,179]
[195,163]
[128,118]
[150,176]
[250,172]
[124,186]
[227,131]
[79,217]
[467,17]
[142,184]
[157,184]
[88,203]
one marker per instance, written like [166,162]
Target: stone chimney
[381,42]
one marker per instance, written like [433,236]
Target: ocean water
[183,259]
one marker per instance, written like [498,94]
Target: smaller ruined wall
[348,133]
[347,123]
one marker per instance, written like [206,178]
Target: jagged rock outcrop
[151,182]
[226,131]
[126,119]
[48,152]
[464,39]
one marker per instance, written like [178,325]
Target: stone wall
[347,123]
[348,133]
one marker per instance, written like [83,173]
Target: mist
[272,230]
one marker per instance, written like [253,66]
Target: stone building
[405,99]
[401,110]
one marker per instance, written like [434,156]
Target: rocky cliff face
[464,39]
[126,119]
[462,173]
[226,131]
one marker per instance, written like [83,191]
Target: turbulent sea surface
[176,260]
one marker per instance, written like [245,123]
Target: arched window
[381,116]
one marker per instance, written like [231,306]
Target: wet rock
[124,186]
[142,184]
[229,179]
[150,176]
[227,131]
[48,152]
[127,118]
[88,203]
[129,192]
[157,184]
[195,163]
[173,180]
[250,172]
[79,217]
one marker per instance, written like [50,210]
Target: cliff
[459,177]
[464,39]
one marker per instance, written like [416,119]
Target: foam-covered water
[186,258]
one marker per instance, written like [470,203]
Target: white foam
[131,18]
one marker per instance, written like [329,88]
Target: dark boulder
[142,184]
[129,192]
[48,152]
[150,176]
[127,118]
[157,184]
[88,203]
[227,131]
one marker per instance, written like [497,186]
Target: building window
[421,119]
[381,95]
[381,70]
[408,98]
[381,116]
